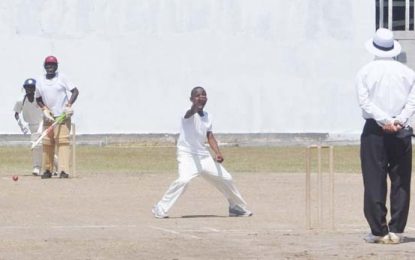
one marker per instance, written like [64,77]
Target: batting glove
[48,116]
[23,127]
[68,111]
[25,130]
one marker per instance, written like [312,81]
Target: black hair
[193,92]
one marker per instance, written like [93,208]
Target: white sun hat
[383,44]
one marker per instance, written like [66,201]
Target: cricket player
[386,95]
[194,159]
[31,121]
[52,95]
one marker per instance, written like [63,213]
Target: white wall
[267,65]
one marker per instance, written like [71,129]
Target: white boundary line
[93,226]
[174,232]
[209,229]
[343,228]
[69,227]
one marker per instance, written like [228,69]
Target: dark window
[399,13]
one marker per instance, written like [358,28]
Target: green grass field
[92,159]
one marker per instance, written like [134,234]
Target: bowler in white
[194,159]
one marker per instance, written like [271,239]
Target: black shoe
[64,175]
[46,175]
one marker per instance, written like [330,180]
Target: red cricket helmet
[51,59]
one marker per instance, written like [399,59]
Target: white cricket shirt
[54,92]
[31,112]
[193,134]
[386,91]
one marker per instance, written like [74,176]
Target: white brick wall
[267,65]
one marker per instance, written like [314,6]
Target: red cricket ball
[15,178]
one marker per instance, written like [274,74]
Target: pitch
[107,215]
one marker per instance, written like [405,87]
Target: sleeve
[18,107]
[67,83]
[367,105]
[409,108]
[209,126]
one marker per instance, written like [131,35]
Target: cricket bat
[57,121]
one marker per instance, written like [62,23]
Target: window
[397,15]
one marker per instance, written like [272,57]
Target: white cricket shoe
[370,238]
[36,171]
[237,211]
[158,212]
[396,238]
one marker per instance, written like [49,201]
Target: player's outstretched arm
[189,113]
[215,147]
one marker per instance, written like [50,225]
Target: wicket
[319,195]
[73,130]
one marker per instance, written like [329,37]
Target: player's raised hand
[193,110]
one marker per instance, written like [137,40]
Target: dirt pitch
[108,216]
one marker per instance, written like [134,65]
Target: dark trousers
[381,155]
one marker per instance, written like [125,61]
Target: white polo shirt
[54,92]
[193,134]
[31,112]
[386,91]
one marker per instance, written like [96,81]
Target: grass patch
[92,159]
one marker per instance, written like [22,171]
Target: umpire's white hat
[383,44]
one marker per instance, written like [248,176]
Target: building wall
[267,65]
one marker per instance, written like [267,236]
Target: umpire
[386,96]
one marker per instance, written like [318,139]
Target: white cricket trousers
[190,166]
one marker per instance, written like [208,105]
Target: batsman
[55,95]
